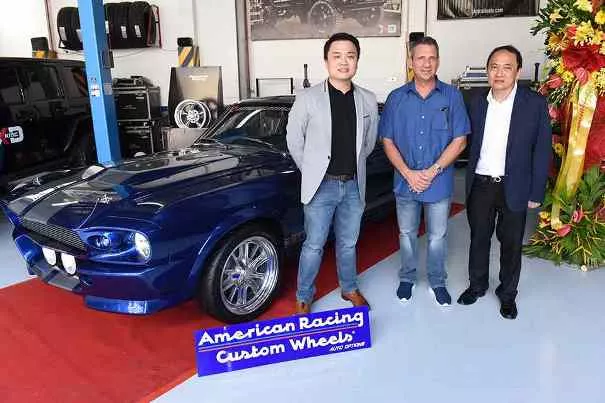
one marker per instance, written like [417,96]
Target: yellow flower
[584,33]
[600,17]
[545,214]
[556,43]
[560,69]
[555,16]
[599,78]
[559,149]
[568,76]
[584,5]
[602,49]
[597,37]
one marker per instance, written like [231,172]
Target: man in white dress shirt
[506,174]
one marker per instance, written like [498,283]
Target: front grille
[56,233]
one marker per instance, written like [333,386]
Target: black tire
[68,21]
[216,276]
[140,29]
[84,151]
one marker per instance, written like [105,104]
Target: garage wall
[20,22]
[382,64]
[468,42]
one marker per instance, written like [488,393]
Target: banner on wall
[456,9]
[305,19]
[236,347]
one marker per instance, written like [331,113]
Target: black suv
[45,118]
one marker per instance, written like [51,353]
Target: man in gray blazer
[331,131]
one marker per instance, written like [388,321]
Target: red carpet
[54,349]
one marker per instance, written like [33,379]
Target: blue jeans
[436,216]
[338,200]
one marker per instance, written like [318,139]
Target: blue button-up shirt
[422,128]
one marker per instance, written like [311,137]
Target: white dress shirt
[492,159]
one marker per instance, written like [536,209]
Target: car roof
[278,100]
[33,60]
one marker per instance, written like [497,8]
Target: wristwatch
[438,169]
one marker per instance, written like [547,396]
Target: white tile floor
[553,352]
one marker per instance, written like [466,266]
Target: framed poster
[456,9]
[305,19]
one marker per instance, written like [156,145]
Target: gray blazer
[309,135]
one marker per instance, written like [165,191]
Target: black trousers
[486,210]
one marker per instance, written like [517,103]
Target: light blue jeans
[436,217]
[339,201]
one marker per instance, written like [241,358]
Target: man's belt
[342,178]
[491,179]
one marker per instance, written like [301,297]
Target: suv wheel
[243,276]
[84,151]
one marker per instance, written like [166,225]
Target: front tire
[243,276]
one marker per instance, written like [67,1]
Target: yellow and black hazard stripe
[189,56]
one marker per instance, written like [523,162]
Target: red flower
[554,81]
[577,215]
[600,214]
[564,230]
[581,74]
[571,31]
[585,57]
[553,111]
[543,89]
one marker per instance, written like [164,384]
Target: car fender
[223,229]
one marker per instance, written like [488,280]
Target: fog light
[50,256]
[69,263]
[141,244]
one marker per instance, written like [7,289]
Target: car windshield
[251,125]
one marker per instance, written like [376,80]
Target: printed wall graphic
[455,9]
[304,19]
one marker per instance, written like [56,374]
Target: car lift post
[98,64]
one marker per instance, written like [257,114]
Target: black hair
[425,40]
[341,36]
[510,49]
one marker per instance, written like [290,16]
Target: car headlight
[117,245]
[142,245]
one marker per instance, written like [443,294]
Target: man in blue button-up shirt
[424,127]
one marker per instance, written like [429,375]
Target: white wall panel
[21,20]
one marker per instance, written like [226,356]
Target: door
[44,95]
[16,123]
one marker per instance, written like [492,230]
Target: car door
[16,123]
[44,94]
[379,182]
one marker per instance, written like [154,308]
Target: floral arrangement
[581,239]
[571,227]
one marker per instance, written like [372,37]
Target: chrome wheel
[192,114]
[249,275]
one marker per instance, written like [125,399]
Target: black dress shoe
[469,297]
[508,309]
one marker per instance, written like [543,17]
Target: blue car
[211,222]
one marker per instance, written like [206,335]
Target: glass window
[43,83]
[9,87]
[75,82]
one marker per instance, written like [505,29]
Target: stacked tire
[127,24]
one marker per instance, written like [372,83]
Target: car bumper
[143,290]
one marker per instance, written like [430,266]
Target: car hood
[134,189]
